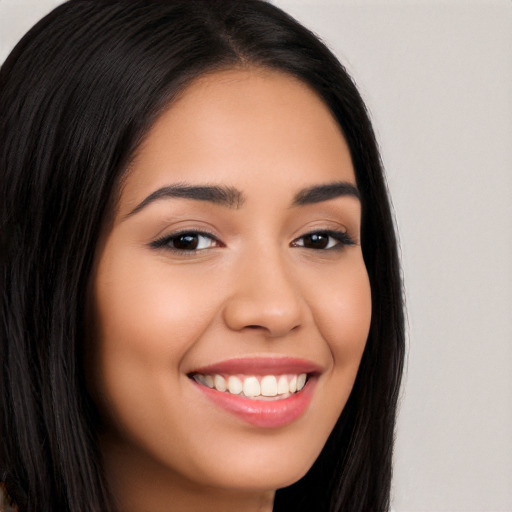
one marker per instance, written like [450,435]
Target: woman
[201,298]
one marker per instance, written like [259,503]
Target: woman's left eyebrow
[320,193]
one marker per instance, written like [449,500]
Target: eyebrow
[221,195]
[234,198]
[320,193]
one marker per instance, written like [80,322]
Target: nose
[264,297]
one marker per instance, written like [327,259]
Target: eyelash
[341,238]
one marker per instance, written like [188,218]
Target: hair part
[77,96]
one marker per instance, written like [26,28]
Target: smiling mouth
[265,388]
[266,392]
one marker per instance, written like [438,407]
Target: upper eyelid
[200,232]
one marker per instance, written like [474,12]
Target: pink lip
[262,413]
[267,414]
[261,366]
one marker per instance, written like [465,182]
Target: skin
[253,290]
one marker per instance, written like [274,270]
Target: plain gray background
[437,78]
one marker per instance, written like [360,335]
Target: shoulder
[6,503]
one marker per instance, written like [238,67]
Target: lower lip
[263,413]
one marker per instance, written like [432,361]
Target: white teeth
[301,381]
[293,384]
[235,385]
[282,386]
[220,383]
[208,380]
[268,386]
[251,387]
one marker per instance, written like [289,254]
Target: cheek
[343,316]
[145,321]
[149,307]
[344,311]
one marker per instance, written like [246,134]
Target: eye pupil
[186,241]
[316,241]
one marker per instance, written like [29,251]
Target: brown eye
[316,241]
[323,240]
[185,242]
[189,241]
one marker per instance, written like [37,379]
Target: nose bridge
[265,295]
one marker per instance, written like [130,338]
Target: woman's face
[233,260]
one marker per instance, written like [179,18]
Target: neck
[141,484]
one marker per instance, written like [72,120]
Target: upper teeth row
[269,385]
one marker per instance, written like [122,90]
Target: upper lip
[260,366]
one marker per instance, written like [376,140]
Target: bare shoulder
[6,503]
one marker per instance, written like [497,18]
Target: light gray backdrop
[437,77]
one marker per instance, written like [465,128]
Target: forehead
[231,125]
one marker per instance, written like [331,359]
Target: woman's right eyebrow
[217,194]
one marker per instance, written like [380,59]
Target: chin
[261,468]
[256,480]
